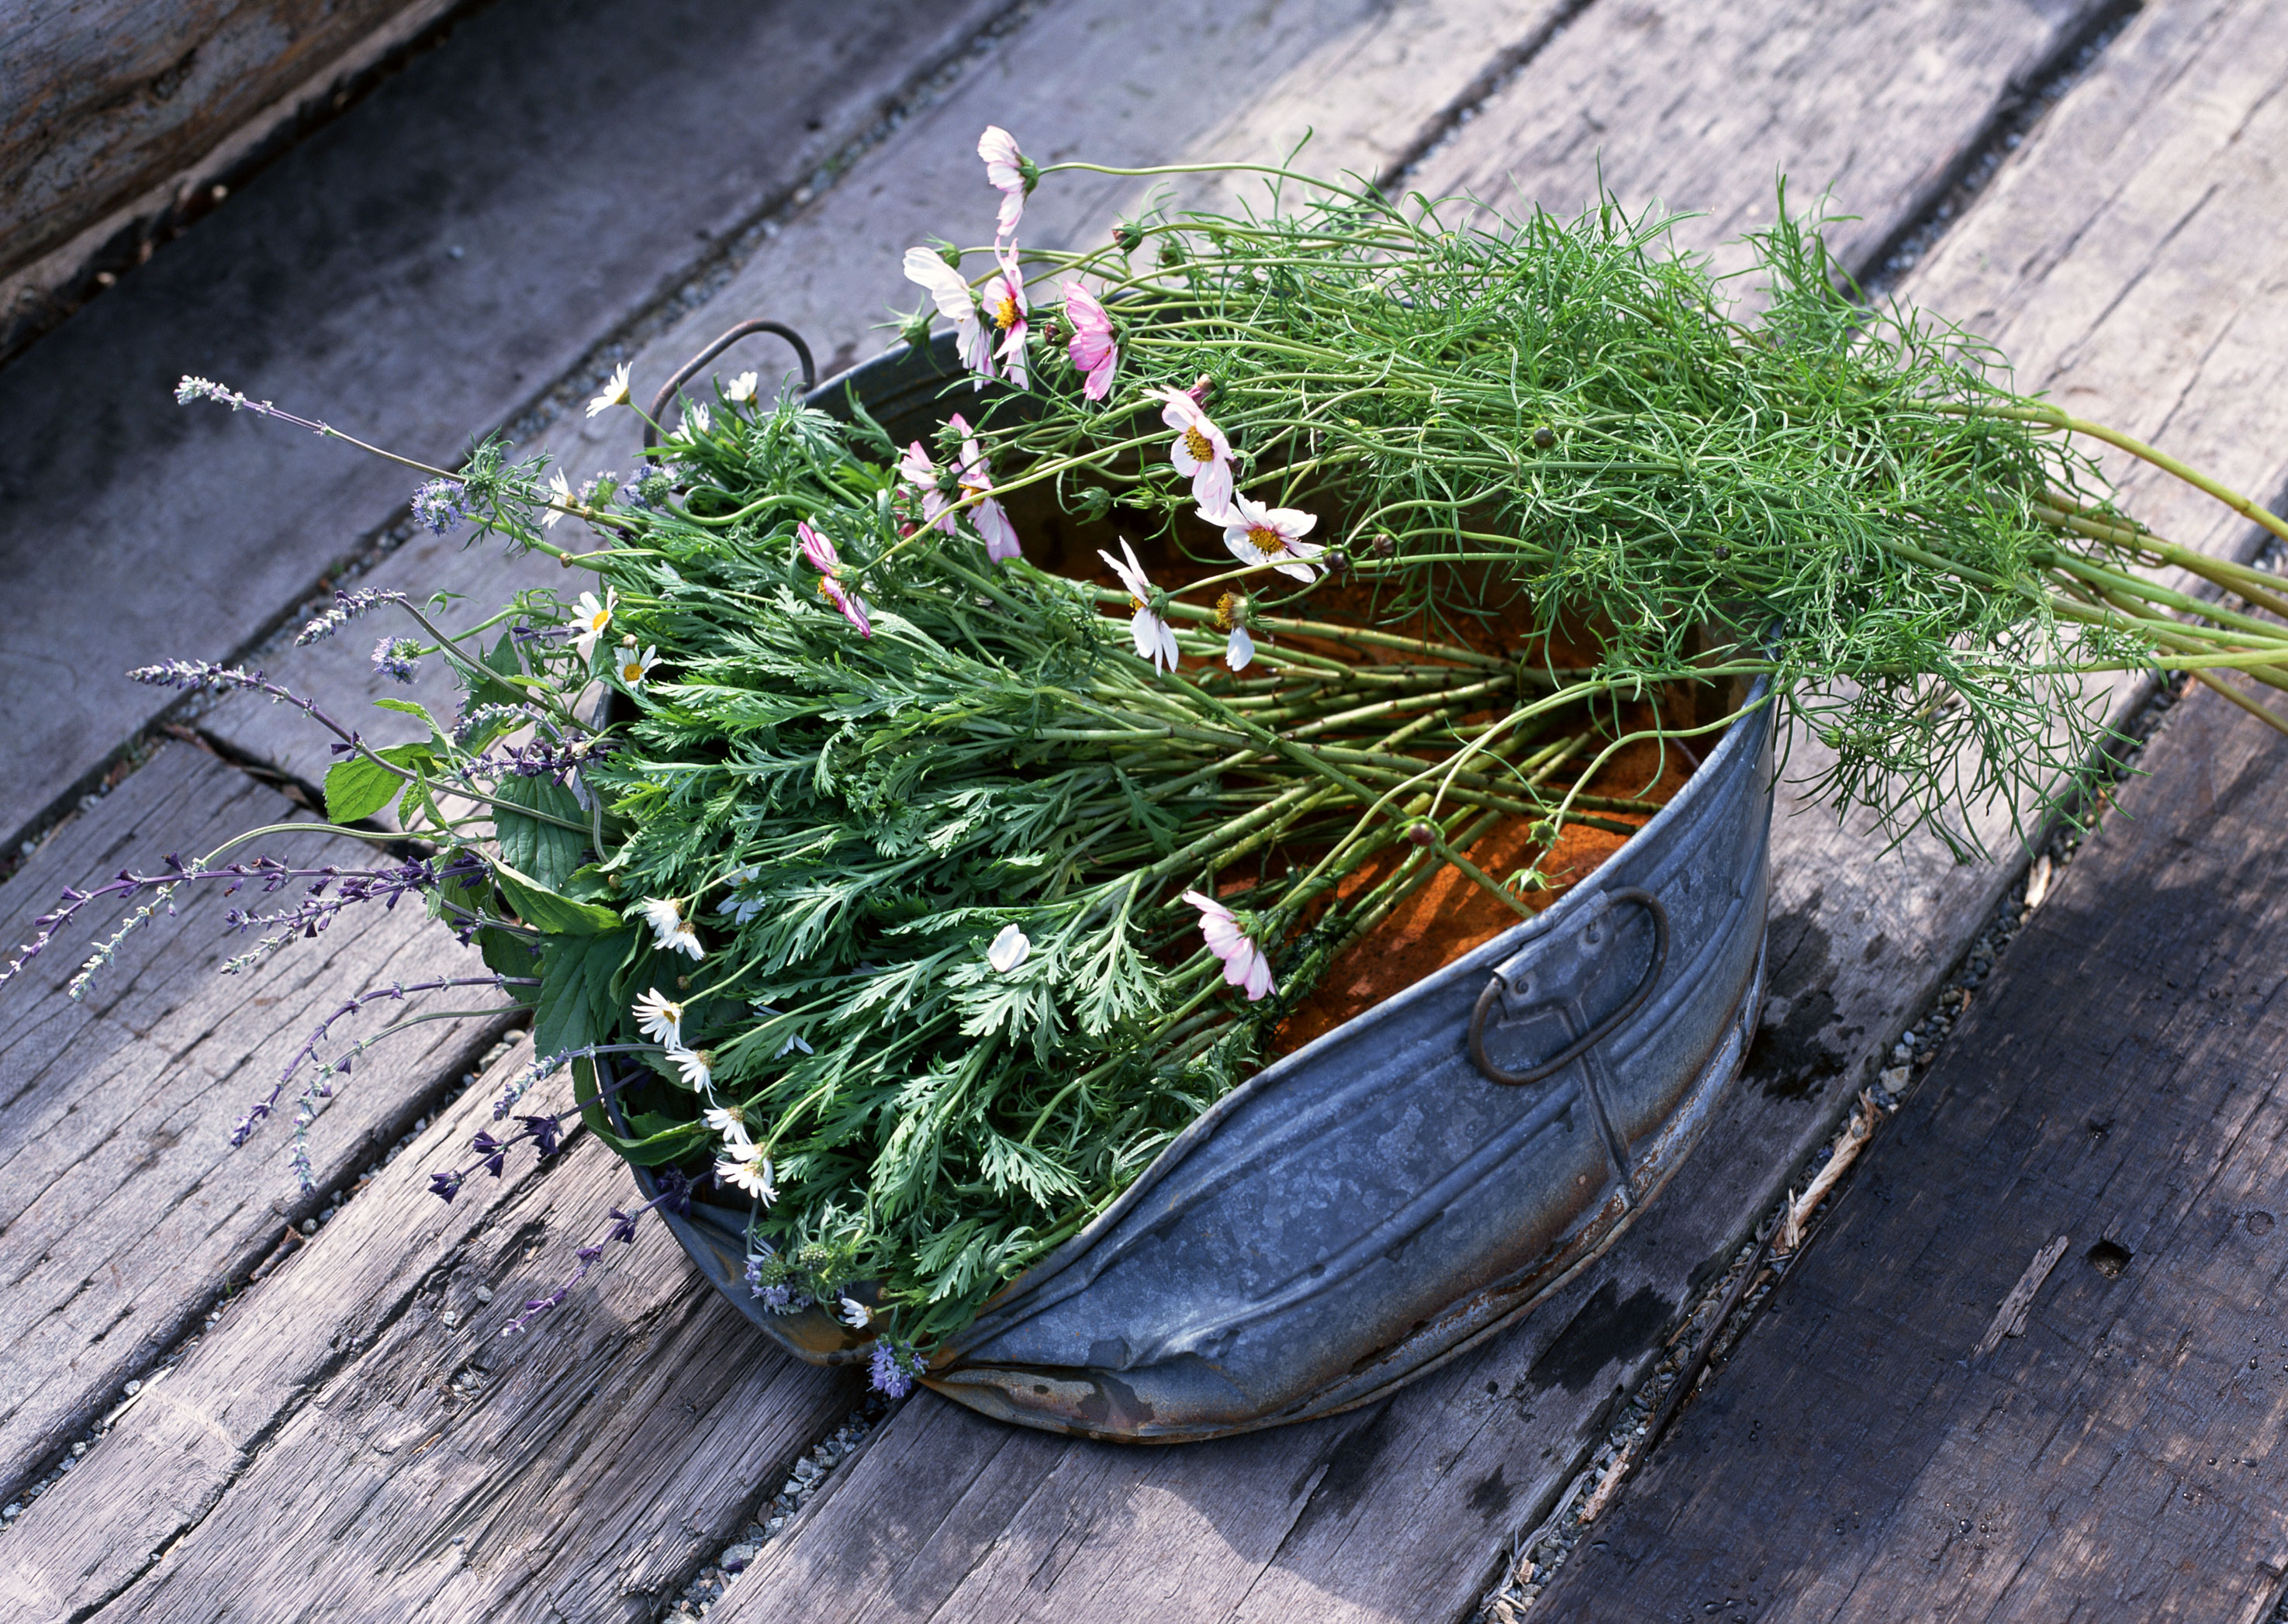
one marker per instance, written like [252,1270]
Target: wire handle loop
[744,329]
[1597,1033]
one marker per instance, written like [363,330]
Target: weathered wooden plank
[123,1208]
[117,118]
[2123,1087]
[1399,1514]
[424,267]
[583,1471]
[1075,82]
[1880,105]
[100,102]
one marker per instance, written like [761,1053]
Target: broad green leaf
[546,911]
[575,990]
[406,707]
[547,852]
[361,787]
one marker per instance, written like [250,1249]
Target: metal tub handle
[683,374]
[1597,1033]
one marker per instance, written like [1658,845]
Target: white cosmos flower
[696,421]
[1009,950]
[1200,452]
[1245,965]
[855,1314]
[956,303]
[1004,171]
[697,1067]
[741,389]
[660,1018]
[561,489]
[634,667]
[1238,649]
[1156,640]
[670,931]
[1257,534]
[750,1173]
[594,617]
[615,391]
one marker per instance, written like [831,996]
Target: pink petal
[817,549]
[1000,535]
[1258,974]
[1099,383]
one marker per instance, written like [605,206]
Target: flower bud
[1384,546]
[1544,437]
[916,332]
[1419,833]
[1337,561]
[1128,236]
[951,254]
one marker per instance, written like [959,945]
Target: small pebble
[309,1226]
[131,1389]
[450,1318]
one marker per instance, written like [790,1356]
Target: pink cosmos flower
[1245,965]
[1201,453]
[1257,534]
[1008,172]
[1003,299]
[820,553]
[975,476]
[957,305]
[1093,349]
[1156,640]
[939,510]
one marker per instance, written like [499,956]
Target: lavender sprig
[333,889]
[347,607]
[675,1192]
[397,992]
[196,676]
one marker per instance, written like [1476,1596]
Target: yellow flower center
[600,620]
[1266,541]
[1005,311]
[1200,445]
[1224,606]
[631,672]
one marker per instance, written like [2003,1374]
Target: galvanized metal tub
[1401,1188]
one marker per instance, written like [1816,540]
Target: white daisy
[751,1173]
[741,389]
[731,1124]
[560,488]
[670,931]
[594,617]
[696,421]
[660,1018]
[634,667]
[697,1067]
[855,1314]
[615,391]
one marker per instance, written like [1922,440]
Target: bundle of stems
[923,892]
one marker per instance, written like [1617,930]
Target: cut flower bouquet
[903,838]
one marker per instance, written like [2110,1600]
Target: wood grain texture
[1874,103]
[2123,1086]
[1079,81]
[435,1469]
[418,271]
[99,102]
[123,1208]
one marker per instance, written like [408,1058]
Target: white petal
[1239,650]
[1009,950]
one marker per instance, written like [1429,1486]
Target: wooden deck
[325,1422]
